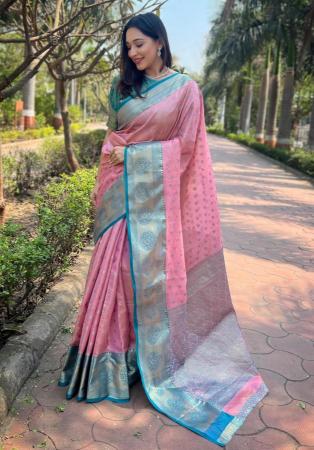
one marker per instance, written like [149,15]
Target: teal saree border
[136,325]
[110,210]
[155,94]
[157,83]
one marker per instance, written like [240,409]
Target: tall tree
[263,97]
[271,120]
[246,102]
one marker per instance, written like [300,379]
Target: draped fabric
[157,302]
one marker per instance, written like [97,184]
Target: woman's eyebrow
[137,39]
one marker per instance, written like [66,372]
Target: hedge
[29,262]
[35,133]
[297,158]
[28,170]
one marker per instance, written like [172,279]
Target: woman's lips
[137,61]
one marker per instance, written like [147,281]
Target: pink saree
[157,303]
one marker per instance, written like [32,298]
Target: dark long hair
[130,77]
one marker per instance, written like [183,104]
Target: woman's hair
[150,25]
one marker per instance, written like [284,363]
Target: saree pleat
[101,360]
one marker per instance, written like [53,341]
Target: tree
[252,26]
[91,28]
[271,120]
[263,97]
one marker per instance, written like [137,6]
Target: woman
[158,257]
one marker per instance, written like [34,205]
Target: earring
[159,52]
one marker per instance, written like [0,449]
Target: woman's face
[142,49]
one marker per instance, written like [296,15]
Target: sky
[187,23]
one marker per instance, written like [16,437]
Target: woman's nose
[132,52]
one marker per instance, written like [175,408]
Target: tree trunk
[271,121]
[262,104]
[246,106]
[246,102]
[2,199]
[72,161]
[29,101]
[73,92]
[311,133]
[285,123]
[57,117]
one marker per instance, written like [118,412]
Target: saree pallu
[160,210]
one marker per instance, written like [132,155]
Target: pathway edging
[21,354]
[284,166]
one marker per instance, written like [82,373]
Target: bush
[75,113]
[297,158]
[89,146]
[29,170]
[28,263]
[36,133]
[31,133]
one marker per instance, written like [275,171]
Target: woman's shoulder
[114,95]
[185,79]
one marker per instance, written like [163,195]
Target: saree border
[226,418]
[129,98]
[215,425]
[110,210]
[156,93]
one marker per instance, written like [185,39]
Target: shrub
[297,158]
[75,113]
[29,170]
[89,146]
[28,263]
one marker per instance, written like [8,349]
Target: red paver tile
[256,342]
[280,313]
[266,440]
[115,411]
[137,433]
[99,446]
[277,394]
[70,429]
[17,426]
[29,441]
[309,367]
[52,395]
[284,363]
[302,390]
[252,424]
[174,438]
[292,419]
[140,400]
[305,315]
[269,327]
[294,344]
[300,327]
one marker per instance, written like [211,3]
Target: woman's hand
[116,156]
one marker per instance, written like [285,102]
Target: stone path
[267,215]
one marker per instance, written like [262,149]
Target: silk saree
[157,304]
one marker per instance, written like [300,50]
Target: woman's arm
[101,161]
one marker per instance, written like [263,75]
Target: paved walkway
[267,214]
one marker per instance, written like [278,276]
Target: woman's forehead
[134,34]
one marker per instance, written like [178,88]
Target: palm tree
[246,103]
[263,97]
[285,123]
[252,25]
[271,120]
[311,133]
